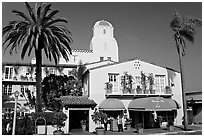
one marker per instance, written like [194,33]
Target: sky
[141,30]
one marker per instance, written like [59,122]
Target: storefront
[77,108]
[146,110]
[113,108]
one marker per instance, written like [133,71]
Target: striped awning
[111,104]
[153,104]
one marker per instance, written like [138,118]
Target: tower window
[104,31]
[101,58]
[109,58]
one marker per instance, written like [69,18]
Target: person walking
[105,124]
[120,124]
[8,128]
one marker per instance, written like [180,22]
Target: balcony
[137,94]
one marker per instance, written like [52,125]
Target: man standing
[120,124]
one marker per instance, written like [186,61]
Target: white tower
[103,43]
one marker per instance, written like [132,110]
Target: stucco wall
[177,95]
[99,76]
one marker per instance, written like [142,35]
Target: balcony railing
[141,92]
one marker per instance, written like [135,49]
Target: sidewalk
[152,131]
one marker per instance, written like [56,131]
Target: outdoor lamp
[16,94]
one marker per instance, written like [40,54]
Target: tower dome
[103,43]
[102,23]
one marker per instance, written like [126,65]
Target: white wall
[177,95]
[99,76]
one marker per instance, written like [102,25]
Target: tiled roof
[43,65]
[77,100]
[82,50]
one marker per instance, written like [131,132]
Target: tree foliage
[41,30]
[55,86]
[184,28]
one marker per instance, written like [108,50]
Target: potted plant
[109,87]
[126,82]
[59,121]
[170,125]
[83,125]
[139,90]
[168,90]
[128,124]
[139,128]
[98,117]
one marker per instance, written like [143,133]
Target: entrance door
[75,117]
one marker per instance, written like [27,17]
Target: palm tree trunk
[38,56]
[183,91]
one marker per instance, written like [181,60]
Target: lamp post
[16,94]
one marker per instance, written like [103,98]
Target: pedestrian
[120,124]
[105,123]
[8,128]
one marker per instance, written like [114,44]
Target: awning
[153,104]
[111,104]
[10,104]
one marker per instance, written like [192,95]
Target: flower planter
[128,127]
[83,127]
[170,128]
[100,131]
[58,132]
[140,130]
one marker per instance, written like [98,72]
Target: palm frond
[46,9]
[31,12]
[59,20]
[189,37]
[21,14]
[25,47]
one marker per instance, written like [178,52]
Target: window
[74,58]
[101,58]
[23,88]
[7,90]
[8,112]
[9,73]
[137,80]
[69,72]
[160,82]
[114,80]
[53,71]
[104,31]
[109,58]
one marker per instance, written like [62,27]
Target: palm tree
[77,73]
[39,31]
[185,29]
